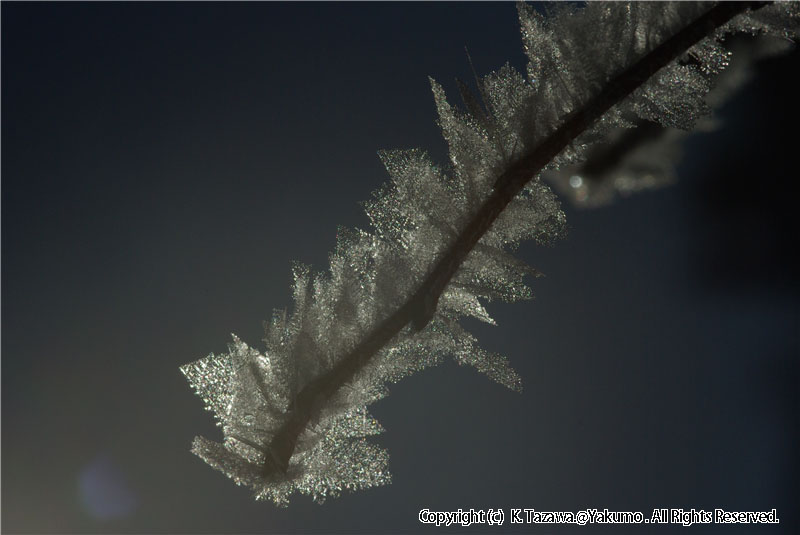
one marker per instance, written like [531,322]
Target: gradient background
[164,163]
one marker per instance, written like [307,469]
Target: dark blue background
[164,163]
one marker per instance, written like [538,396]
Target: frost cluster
[644,154]
[572,53]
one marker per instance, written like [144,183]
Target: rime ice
[572,53]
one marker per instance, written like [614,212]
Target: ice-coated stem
[419,308]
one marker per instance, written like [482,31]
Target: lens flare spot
[104,489]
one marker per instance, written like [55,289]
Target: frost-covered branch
[295,417]
[645,157]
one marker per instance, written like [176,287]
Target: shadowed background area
[164,163]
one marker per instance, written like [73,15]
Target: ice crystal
[417,216]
